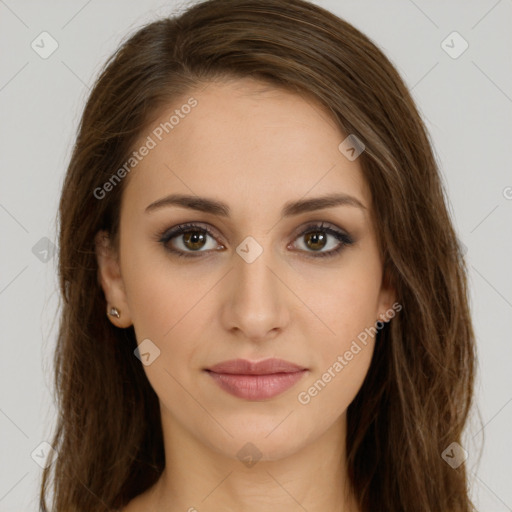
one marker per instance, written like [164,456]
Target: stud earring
[114,312]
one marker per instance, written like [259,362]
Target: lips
[266,367]
[256,380]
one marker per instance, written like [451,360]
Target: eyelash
[167,235]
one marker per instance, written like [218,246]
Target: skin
[255,148]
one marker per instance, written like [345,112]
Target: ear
[110,279]
[388,305]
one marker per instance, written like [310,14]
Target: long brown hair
[418,393]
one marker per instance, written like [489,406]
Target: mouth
[256,380]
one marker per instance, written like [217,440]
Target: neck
[199,478]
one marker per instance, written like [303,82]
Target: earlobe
[388,298]
[111,281]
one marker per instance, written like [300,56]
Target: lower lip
[257,387]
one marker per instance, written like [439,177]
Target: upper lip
[265,367]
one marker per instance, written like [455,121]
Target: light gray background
[467,105]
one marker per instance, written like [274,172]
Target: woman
[264,302]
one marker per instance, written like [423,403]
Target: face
[268,273]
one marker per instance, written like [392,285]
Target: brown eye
[316,240]
[318,237]
[194,240]
[187,239]
[191,240]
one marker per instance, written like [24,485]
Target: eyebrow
[207,205]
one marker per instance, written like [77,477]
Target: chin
[261,441]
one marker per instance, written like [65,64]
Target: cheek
[346,303]
[343,357]
[347,314]
[168,306]
[154,305]
[329,392]
[165,309]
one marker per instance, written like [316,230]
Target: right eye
[190,239]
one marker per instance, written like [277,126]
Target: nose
[256,304]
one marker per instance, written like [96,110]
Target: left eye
[318,238]
[192,238]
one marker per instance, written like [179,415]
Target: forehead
[246,142]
